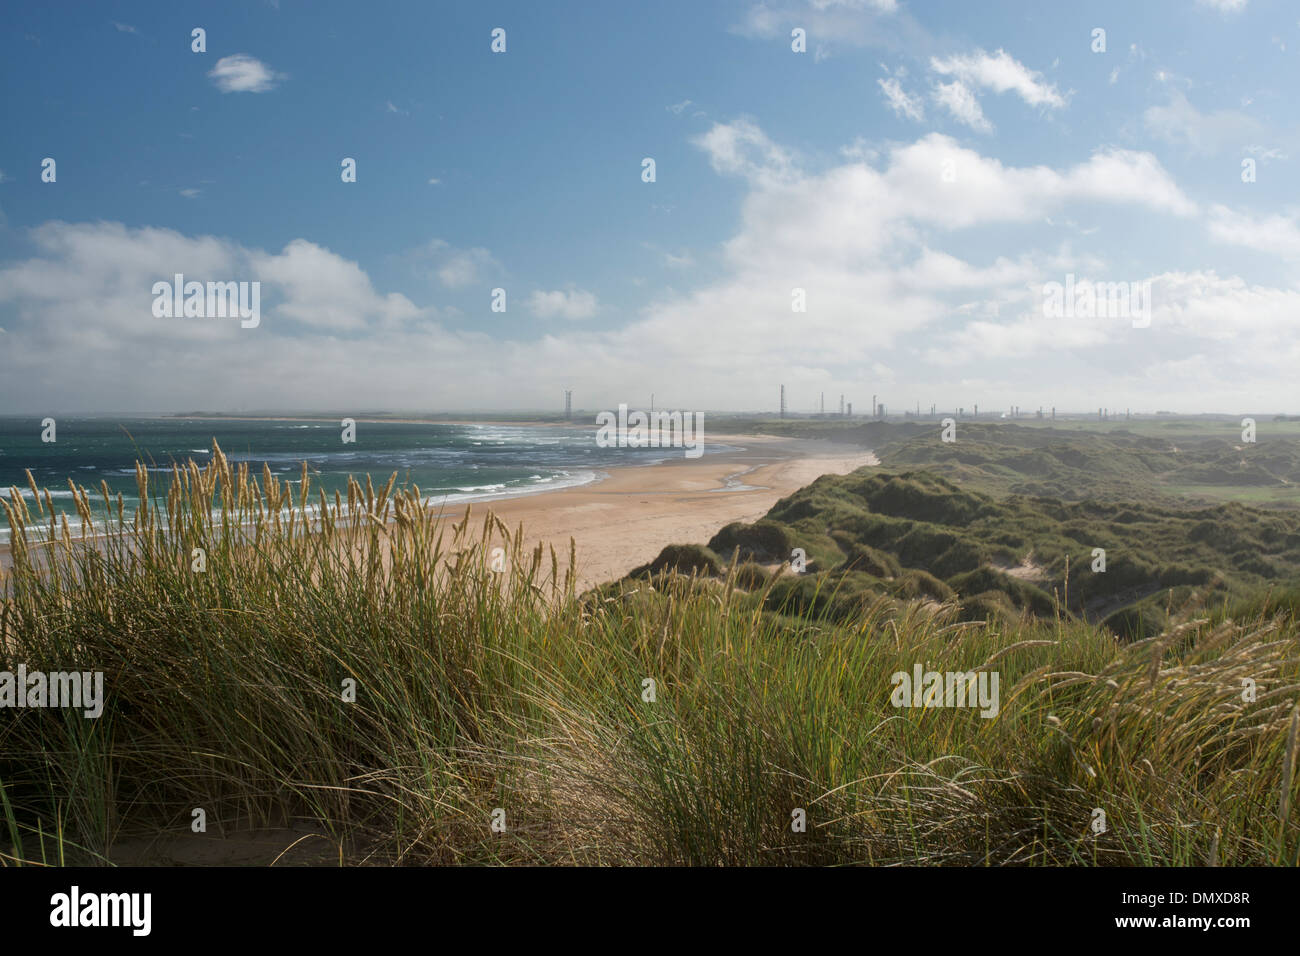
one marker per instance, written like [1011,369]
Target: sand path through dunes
[628,518]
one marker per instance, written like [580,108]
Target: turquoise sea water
[450,463]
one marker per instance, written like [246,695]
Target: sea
[450,464]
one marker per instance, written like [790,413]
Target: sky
[876,205]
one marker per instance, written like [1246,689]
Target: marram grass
[479,691]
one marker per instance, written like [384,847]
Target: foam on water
[451,464]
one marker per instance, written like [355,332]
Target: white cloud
[190,193]
[851,238]
[463,268]
[1265,153]
[1127,176]
[1225,6]
[867,240]
[1246,331]
[880,6]
[454,268]
[1000,72]
[1277,234]
[1028,335]
[1207,333]
[241,73]
[124,27]
[1182,124]
[960,102]
[77,263]
[860,151]
[855,209]
[324,332]
[901,102]
[571,304]
[323,290]
[935,269]
[741,147]
[676,108]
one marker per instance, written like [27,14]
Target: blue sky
[775,170]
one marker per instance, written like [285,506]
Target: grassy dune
[916,534]
[479,690]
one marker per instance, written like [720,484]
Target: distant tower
[783,401]
[568,404]
[841,405]
[977,411]
[849,413]
[1053,413]
[823,403]
[875,409]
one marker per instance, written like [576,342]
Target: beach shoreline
[629,513]
[627,518]
[377,420]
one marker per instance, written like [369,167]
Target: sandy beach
[626,519]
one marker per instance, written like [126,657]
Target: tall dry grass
[478,690]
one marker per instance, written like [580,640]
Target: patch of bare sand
[1027,570]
